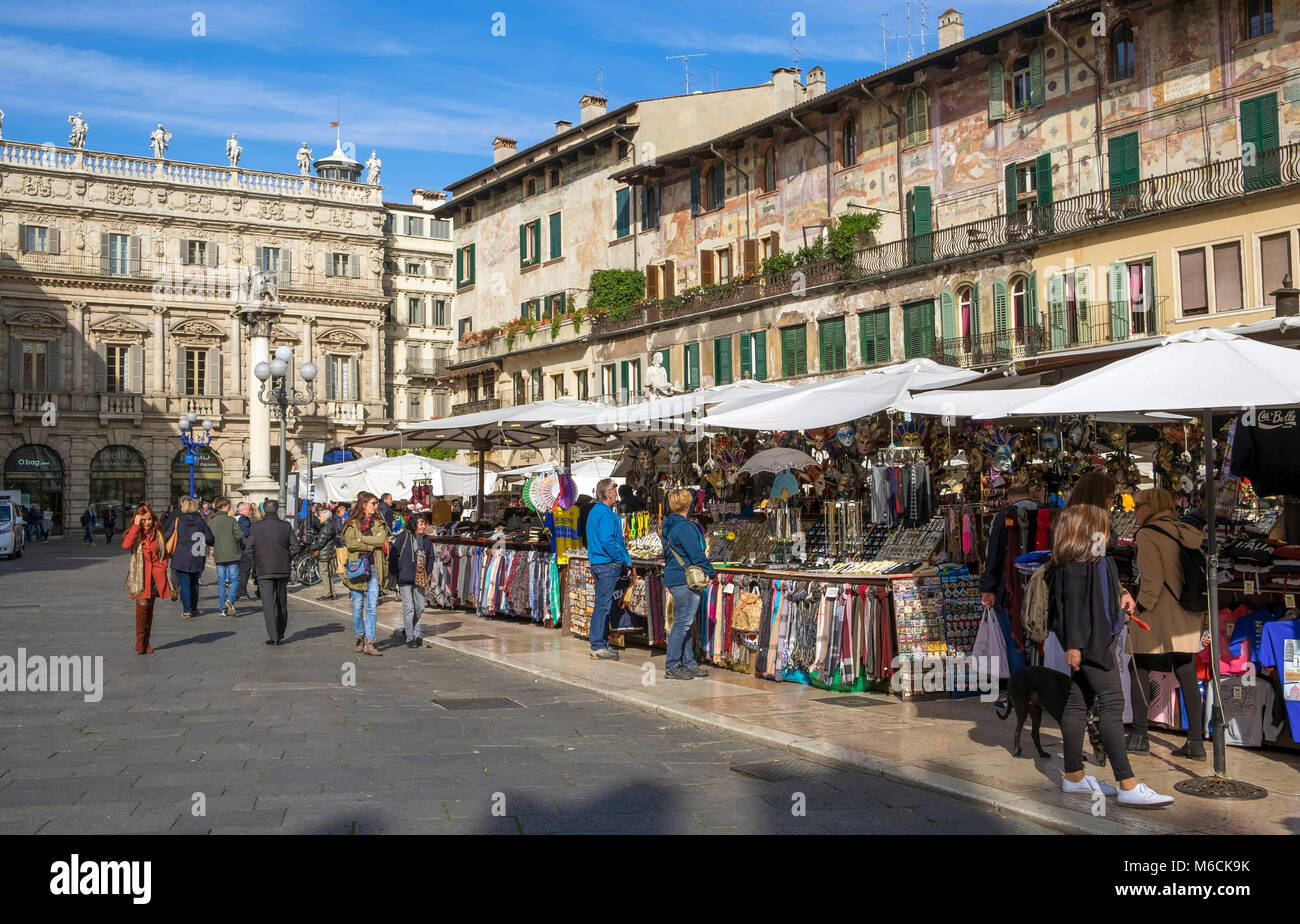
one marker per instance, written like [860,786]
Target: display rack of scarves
[831,635]
[502,582]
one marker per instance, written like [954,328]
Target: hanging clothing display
[496,582]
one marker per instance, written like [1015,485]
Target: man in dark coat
[323,543]
[246,557]
[273,544]
[110,523]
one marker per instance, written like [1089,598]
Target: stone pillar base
[255,490]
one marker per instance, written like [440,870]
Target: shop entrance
[37,471]
[117,480]
[207,475]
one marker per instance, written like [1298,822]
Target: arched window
[767,171]
[849,148]
[1020,302]
[1121,52]
[964,307]
[117,480]
[37,471]
[918,117]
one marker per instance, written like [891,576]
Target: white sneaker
[1088,784]
[1143,796]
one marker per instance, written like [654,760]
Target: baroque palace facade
[1097,173]
[119,279]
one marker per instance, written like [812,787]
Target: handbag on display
[748,615]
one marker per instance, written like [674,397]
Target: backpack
[1035,609]
[1193,596]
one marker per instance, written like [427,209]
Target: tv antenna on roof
[713,76]
[599,74]
[903,40]
[686,67]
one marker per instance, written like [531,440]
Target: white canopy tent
[1199,371]
[996,403]
[396,475]
[839,400]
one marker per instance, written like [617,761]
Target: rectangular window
[465,266]
[530,243]
[1021,88]
[832,354]
[439,312]
[116,369]
[722,361]
[753,355]
[440,228]
[412,357]
[463,327]
[414,269]
[270,259]
[414,226]
[488,384]
[919,225]
[557,384]
[415,311]
[629,378]
[34,238]
[580,380]
[1259,142]
[724,266]
[535,383]
[1192,283]
[555,236]
[118,251]
[691,366]
[649,207]
[196,253]
[35,376]
[609,380]
[1125,170]
[414,406]
[471,389]
[794,350]
[873,335]
[340,264]
[521,389]
[196,371]
[1274,263]
[1227,277]
[622,212]
[918,330]
[1258,18]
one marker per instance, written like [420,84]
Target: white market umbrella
[996,403]
[673,410]
[1203,371]
[777,460]
[840,400]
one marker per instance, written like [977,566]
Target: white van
[13,528]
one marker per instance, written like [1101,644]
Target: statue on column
[373,165]
[304,159]
[2,123]
[233,150]
[656,378]
[159,141]
[79,128]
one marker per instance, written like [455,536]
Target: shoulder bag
[696,579]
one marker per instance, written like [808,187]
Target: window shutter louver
[101,368]
[695,191]
[1013,201]
[331,378]
[1274,263]
[975,313]
[54,241]
[15,365]
[948,325]
[746,357]
[22,238]
[135,362]
[919,214]
[180,370]
[472,268]
[652,283]
[997,93]
[1191,279]
[622,209]
[1031,299]
[210,254]
[555,236]
[354,266]
[706,267]
[104,252]
[760,355]
[670,279]
[1056,311]
[1043,169]
[1001,320]
[354,385]
[214,372]
[537,240]
[1117,288]
[1227,277]
[750,251]
[133,256]
[1037,93]
[1082,304]
[329,264]
[286,267]
[523,245]
[54,351]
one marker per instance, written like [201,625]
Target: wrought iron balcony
[474,407]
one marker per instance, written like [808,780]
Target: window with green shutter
[830,336]
[1043,173]
[794,350]
[555,236]
[1124,170]
[753,355]
[666,354]
[1259,142]
[1013,193]
[1001,321]
[917,117]
[695,191]
[873,335]
[997,93]
[1037,92]
[918,330]
[919,227]
[623,212]
[722,361]
[948,326]
[691,364]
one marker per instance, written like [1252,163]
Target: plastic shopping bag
[989,642]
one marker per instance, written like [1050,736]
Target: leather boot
[141,630]
[361,643]
[370,648]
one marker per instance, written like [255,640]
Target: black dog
[1033,689]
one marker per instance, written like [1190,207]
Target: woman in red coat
[147,574]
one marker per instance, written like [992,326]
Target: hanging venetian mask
[844,436]
[1051,442]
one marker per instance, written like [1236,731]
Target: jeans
[686,606]
[188,586]
[367,598]
[606,575]
[412,606]
[90,536]
[1015,657]
[227,583]
[1090,683]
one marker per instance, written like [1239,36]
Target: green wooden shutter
[1259,127]
[460,267]
[948,325]
[623,216]
[1117,285]
[1013,204]
[667,355]
[471,264]
[760,355]
[1001,321]
[1032,317]
[695,191]
[830,337]
[523,245]
[920,225]
[997,93]
[691,362]
[536,230]
[1082,301]
[866,338]
[1124,171]
[1056,311]
[787,365]
[1043,168]
[722,361]
[975,315]
[719,185]
[523,310]
[1037,91]
[794,350]
[546,308]
[746,362]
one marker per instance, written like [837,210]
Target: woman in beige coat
[1176,635]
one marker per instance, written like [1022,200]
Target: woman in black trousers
[1086,616]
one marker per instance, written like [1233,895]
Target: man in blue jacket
[608,555]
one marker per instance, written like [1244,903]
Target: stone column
[236,355]
[79,385]
[376,363]
[259,483]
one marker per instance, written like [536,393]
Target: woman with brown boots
[146,576]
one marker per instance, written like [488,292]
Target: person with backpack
[1171,575]
[1000,583]
[410,559]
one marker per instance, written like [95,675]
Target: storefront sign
[33,459]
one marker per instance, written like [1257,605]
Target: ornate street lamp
[191,444]
[279,394]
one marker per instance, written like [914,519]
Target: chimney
[951,29]
[428,198]
[816,82]
[786,87]
[502,148]
[591,107]
[562,126]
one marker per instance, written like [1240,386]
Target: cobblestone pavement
[267,739]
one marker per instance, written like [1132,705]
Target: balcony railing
[1213,182]
[991,347]
[437,366]
[120,406]
[474,407]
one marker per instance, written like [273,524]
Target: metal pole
[190,450]
[482,457]
[1212,545]
[284,476]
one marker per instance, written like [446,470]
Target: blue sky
[427,84]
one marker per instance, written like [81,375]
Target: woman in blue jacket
[683,546]
[191,554]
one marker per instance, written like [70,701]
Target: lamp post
[190,443]
[279,394]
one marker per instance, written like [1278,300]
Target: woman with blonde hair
[683,546]
[1086,616]
[1176,634]
[364,536]
[146,579]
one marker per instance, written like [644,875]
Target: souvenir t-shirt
[1250,627]
[1235,651]
[1280,649]
[1247,712]
[563,525]
[1165,708]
